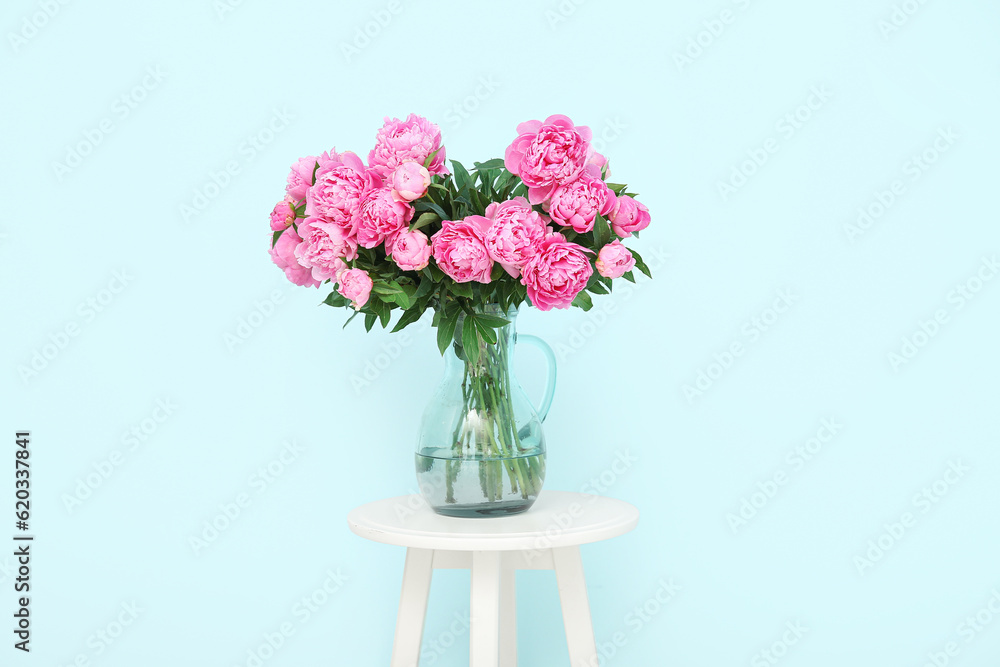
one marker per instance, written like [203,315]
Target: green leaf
[470,339]
[433,272]
[492,321]
[495,163]
[426,287]
[335,299]
[407,318]
[583,301]
[403,299]
[598,288]
[461,289]
[602,232]
[446,329]
[462,178]
[617,188]
[276,236]
[639,264]
[427,205]
[370,321]
[427,162]
[353,315]
[628,275]
[488,334]
[424,219]
[384,315]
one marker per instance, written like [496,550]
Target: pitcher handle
[550,377]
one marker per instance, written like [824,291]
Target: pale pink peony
[577,203]
[629,216]
[409,181]
[356,286]
[410,140]
[614,260]
[283,214]
[549,154]
[323,244]
[340,187]
[556,273]
[410,250]
[283,254]
[300,178]
[459,249]
[515,229]
[381,218]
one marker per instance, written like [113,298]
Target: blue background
[754,179]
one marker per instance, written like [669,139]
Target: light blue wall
[677,120]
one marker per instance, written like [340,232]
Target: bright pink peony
[323,244]
[459,249]
[556,273]
[409,181]
[410,250]
[515,229]
[356,286]
[283,254]
[283,214]
[577,203]
[300,177]
[548,154]
[614,260]
[629,216]
[381,217]
[410,140]
[340,187]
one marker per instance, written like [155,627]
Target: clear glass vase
[481,451]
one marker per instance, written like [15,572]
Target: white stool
[546,537]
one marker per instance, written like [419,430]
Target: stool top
[557,519]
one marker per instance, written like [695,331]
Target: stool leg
[412,607]
[508,611]
[484,637]
[575,607]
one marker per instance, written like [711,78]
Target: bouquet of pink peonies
[402,232]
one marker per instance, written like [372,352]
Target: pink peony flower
[283,214]
[409,181]
[629,216]
[300,177]
[356,286]
[459,249]
[410,140]
[556,273]
[323,248]
[515,229]
[410,250]
[614,260]
[340,187]
[577,203]
[381,217]
[548,154]
[283,254]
